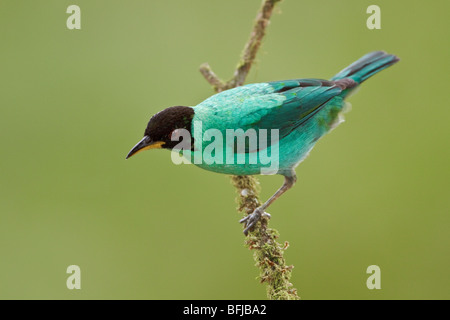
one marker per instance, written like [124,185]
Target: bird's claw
[251,220]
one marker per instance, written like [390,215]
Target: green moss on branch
[267,251]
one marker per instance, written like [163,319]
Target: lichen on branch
[268,252]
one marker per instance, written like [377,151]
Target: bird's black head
[161,127]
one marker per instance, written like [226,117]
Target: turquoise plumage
[298,111]
[303,110]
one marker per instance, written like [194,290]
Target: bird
[296,112]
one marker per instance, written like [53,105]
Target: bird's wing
[282,105]
[291,104]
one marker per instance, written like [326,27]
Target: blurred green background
[73,103]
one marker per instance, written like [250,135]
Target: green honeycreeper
[300,110]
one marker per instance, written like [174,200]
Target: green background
[73,103]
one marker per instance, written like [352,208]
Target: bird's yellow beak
[145,144]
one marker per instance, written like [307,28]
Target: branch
[268,253]
[248,54]
[211,77]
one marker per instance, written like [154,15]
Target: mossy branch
[268,253]
[248,54]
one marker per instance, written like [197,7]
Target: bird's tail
[367,66]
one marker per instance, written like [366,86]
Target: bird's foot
[251,220]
